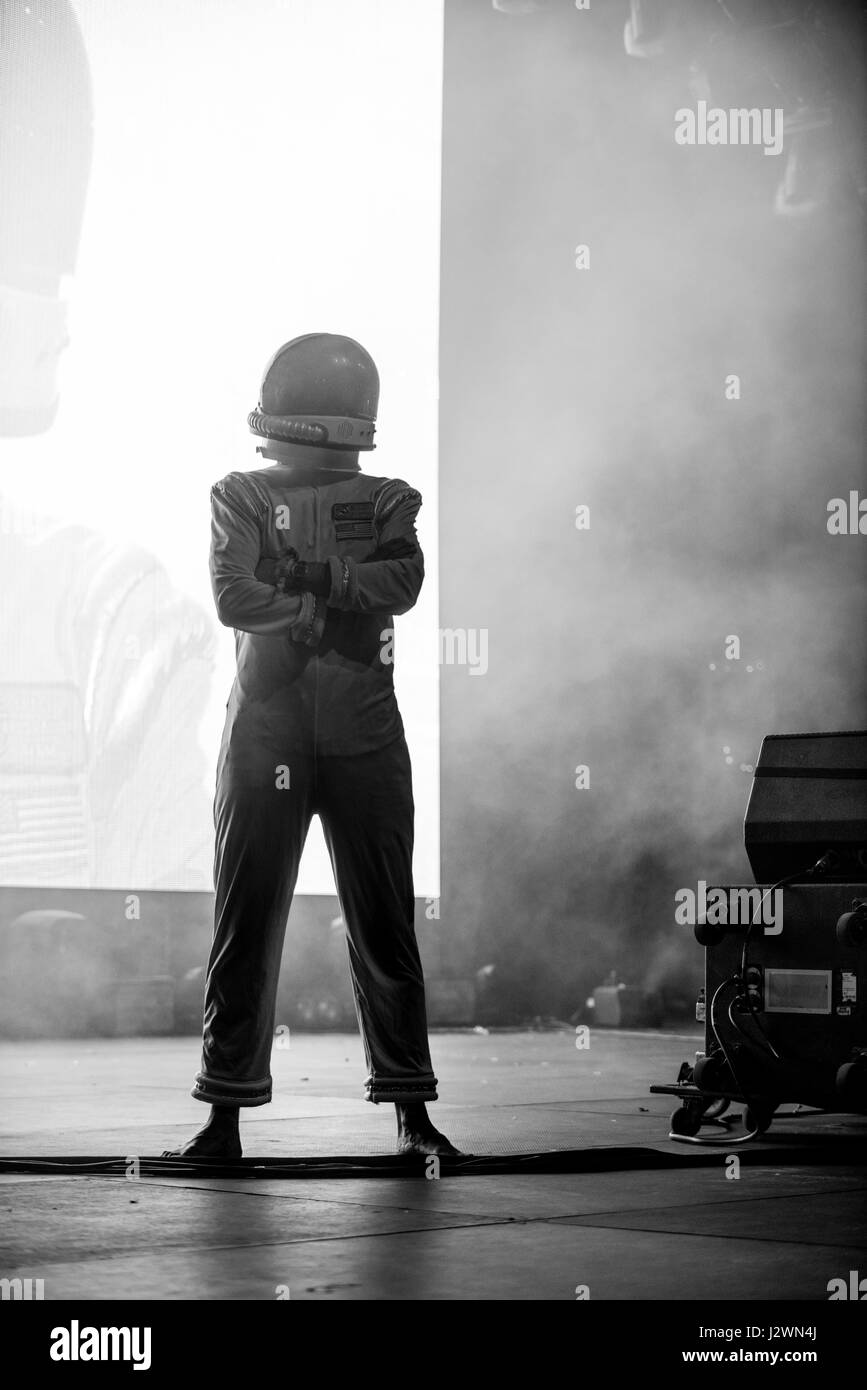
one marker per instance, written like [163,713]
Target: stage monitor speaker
[799,1022]
[809,799]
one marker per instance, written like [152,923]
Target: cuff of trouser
[220,1090]
[401,1089]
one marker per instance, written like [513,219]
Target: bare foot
[417,1135]
[218,1138]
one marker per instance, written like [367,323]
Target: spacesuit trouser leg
[365,803]
[260,832]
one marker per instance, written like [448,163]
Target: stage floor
[791,1221]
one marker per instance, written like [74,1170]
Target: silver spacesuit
[308,565]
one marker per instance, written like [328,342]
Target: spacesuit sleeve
[242,602]
[391,580]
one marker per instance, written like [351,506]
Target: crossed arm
[282,596]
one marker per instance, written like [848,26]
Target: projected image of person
[310,560]
[106,663]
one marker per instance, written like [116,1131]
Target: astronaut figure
[310,558]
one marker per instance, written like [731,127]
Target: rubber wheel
[851,1084]
[852,928]
[758,1115]
[711,1072]
[686,1119]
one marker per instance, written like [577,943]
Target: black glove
[312,575]
[290,575]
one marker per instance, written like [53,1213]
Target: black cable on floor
[848,1149]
